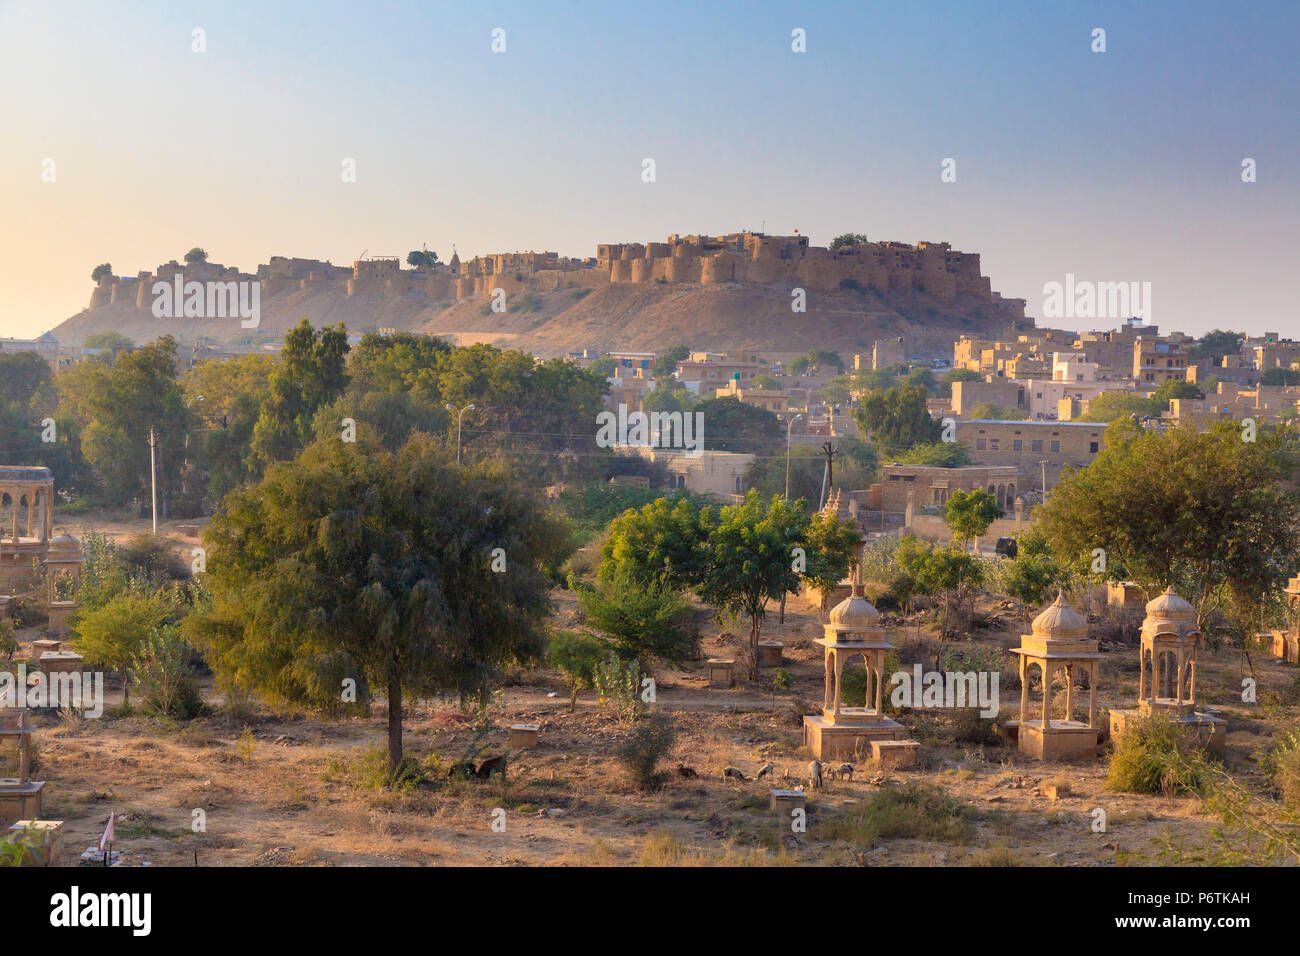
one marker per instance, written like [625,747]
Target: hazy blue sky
[1117,166]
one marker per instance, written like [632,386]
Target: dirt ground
[293,790]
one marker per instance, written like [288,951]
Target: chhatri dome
[1059,621]
[854,612]
[1170,607]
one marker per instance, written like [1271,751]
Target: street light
[460,419]
[788,426]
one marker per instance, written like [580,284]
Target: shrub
[619,684]
[1283,765]
[8,639]
[1153,757]
[969,727]
[648,743]
[165,680]
[914,811]
[576,655]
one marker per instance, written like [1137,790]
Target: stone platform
[1065,740]
[842,741]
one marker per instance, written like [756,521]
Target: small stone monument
[21,798]
[1170,638]
[45,837]
[524,736]
[1059,642]
[853,630]
[63,561]
[721,672]
[769,653]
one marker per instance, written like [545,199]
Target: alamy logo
[75,689]
[683,430]
[209,300]
[1096,300]
[73,909]
[946,690]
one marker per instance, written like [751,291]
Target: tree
[102,271]
[352,567]
[195,255]
[311,373]
[897,419]
[731,425]
[926,569]
[1033,572]
[110,343]
[1207,513]
[113,634]
[1280,376]
[988,410]
[969,514]
[661,543]
[750,560]
[643,621]
[956,375]
[115,408]
[1217,343]
[422,259]
[665,363]
[576,655]
[848,239]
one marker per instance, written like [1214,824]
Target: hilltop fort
[856,293]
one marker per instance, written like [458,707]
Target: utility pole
[1043,462]
[153,479]
[828,479]
[460,420]
[788,425]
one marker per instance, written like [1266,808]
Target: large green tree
[1210,513]
[401,572]
[897,418]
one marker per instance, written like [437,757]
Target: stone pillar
[839,666]
[1047,694]
[1142,674]
[1024,688]
[826,696]
[880,682]
[1092,694]
[1069,692]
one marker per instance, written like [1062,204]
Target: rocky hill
[634,316]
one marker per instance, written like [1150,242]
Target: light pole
[788,425]
[460,420]
[1043,462]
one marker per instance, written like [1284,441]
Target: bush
[915,811]
[577,656]
[1283,765]
[1153,757]
[8,639]
[159,667]
[619,684]
[648,743]
[969,727]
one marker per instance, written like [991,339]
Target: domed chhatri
[1167,679]
[854,613]
[1058,642]
[853,629]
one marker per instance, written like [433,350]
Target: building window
[979,444]
[1092,448]
[1036,444]
[1017,445]
[993,444]
[1056,446]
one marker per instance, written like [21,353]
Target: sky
[1123,165]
